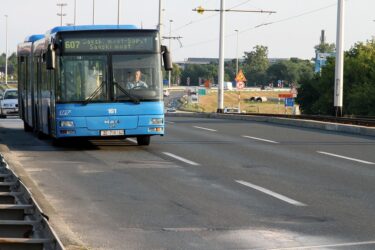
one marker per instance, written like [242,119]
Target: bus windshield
[85,78]
[136,76]
[82,78]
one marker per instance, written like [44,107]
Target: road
[207,184]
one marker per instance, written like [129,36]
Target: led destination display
[109,44]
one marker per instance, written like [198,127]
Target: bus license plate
[112,132]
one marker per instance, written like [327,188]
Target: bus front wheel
[143,140]
[26,127]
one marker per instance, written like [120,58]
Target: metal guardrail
[23,225]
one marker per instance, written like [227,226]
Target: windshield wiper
[96,92]
[131,97]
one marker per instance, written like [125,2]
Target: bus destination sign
[100,44]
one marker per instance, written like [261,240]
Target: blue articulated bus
[94,81]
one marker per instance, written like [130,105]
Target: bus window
[81,76]
[130,69]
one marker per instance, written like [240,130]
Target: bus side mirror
[166,58]
[50,57]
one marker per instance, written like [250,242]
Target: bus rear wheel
[143,140]
[26,127]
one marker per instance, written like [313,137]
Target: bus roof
[90,27]
[33,38]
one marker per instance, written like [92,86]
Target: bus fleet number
[72,44]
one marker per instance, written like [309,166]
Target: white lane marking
[345,157]
[259,139]
[271,193]
[208,129]
[169,122]
[181,159]
[329,246]
[132,140]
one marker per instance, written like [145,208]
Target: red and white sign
[240,85]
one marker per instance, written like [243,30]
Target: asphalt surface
[207,184]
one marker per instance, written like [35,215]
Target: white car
[9,103]
[165,93]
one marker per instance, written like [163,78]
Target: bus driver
[137,83]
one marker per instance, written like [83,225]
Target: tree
[256,64]
[12,64]
[195,72]
[325,48]
[290,71]
[176,74]
[316,95]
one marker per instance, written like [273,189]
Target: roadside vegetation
[316,94]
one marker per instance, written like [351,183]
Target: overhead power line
[208,17]
[265,24]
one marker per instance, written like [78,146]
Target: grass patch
[208,103]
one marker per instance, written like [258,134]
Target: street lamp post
[6,49]
[61,14]
[236,53]
[170,39]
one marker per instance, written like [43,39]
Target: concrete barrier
[345,128]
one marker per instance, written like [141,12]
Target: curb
[345,128]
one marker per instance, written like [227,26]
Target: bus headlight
[155,130]
[156,121]
[66,124]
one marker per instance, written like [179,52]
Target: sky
[291,32]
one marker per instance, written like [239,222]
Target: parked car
[171,110]
[9,103]
[231,110]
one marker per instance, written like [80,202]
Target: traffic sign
[289,102]
[286,95]
[240,85]
[240,77]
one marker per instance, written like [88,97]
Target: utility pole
[222,10]
[170,35]
[160,23]
[220,108]
[75,11]
[6,49]
[118,12]
[339,72]
[61,14]
[93,12]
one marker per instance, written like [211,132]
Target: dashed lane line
[271,193]
[346,158]
[259,139]
[350,244]
[181,159]
[208,129]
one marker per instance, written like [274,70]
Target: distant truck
[228,85]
